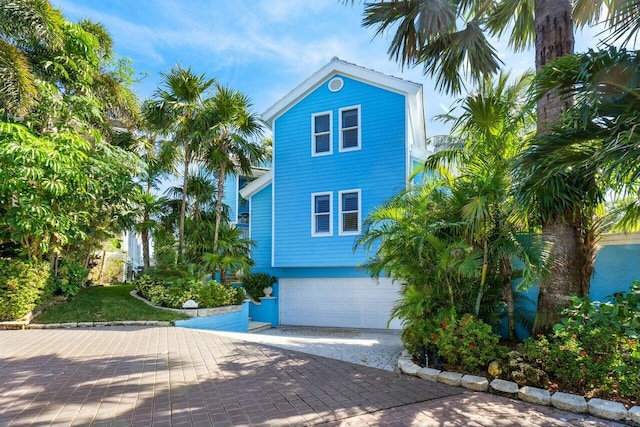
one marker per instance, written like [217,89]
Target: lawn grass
[105,304]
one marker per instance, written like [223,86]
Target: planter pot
[267,291]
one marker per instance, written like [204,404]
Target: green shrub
[210,294]
[469,344]
[254,283]
[23,287]
[213,294]
[71,277]
[595,348]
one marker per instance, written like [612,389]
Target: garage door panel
[334,302]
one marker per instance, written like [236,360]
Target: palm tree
[174,110]
[485,140]
[427,33]
[229,132]
[24,26]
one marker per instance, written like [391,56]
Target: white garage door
[352,303]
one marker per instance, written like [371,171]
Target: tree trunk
[144,236]
[507,295]
[554,39]
[565,279]
[221,176]
[183,204]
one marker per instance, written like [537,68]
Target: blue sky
[263,48]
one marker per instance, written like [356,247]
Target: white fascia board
[256,185]
[337,66]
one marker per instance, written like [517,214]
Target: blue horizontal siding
[261,229]
[378,169]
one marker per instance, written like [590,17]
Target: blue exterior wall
[237,321]
[378,169]
[261,230]
[615,269]
[231,195]
[266,311]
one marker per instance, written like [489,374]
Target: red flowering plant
[468,344]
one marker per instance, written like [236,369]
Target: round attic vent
[335,84]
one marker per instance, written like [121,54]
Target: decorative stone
[408,367]
[634,414]
[85,324]
[473,382]
[405,353]
[69,325]
[607,409]
[190,304]
[569,402]
[504,388]
[429,374]
[535,395]
[449,378]
[267,291]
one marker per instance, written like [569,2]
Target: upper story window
[350,128]
[350,212]
[321,134]
[321,218]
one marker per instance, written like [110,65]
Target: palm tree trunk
[221,177]
[144,236]
[554,39]
[507,295]
[483,278]
[183,203]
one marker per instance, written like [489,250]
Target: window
[321,130]
[321,221]
[350,128]
[349,212]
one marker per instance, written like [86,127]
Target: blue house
[344,141]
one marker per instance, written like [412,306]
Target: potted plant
[258,285]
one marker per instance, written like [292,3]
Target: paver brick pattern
[175,377]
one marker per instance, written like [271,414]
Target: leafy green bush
[23,287]
[595,350]
[254,283]
[71,277]
[213,294]
[210,294]
[469,343]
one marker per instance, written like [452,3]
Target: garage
[338,302]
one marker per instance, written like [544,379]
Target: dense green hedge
[210,294]
[23,287]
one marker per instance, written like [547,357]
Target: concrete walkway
[368,347]
[179,377]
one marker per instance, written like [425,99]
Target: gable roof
[338,66]
[257,184]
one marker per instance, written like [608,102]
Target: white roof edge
[256,185]
[345,68]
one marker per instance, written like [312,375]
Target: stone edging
[569,402]
[25,325]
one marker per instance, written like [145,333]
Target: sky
[263,48]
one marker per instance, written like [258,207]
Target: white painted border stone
[450,378]
[474,382]
[634,414]
[504,387]
[429,374]
[569,402]
[607,409]
[408,367]
[539,396]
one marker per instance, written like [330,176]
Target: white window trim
[313,134]
[350,233]
[340,148]
[313,214]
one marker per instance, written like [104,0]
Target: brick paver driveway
[175,376]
